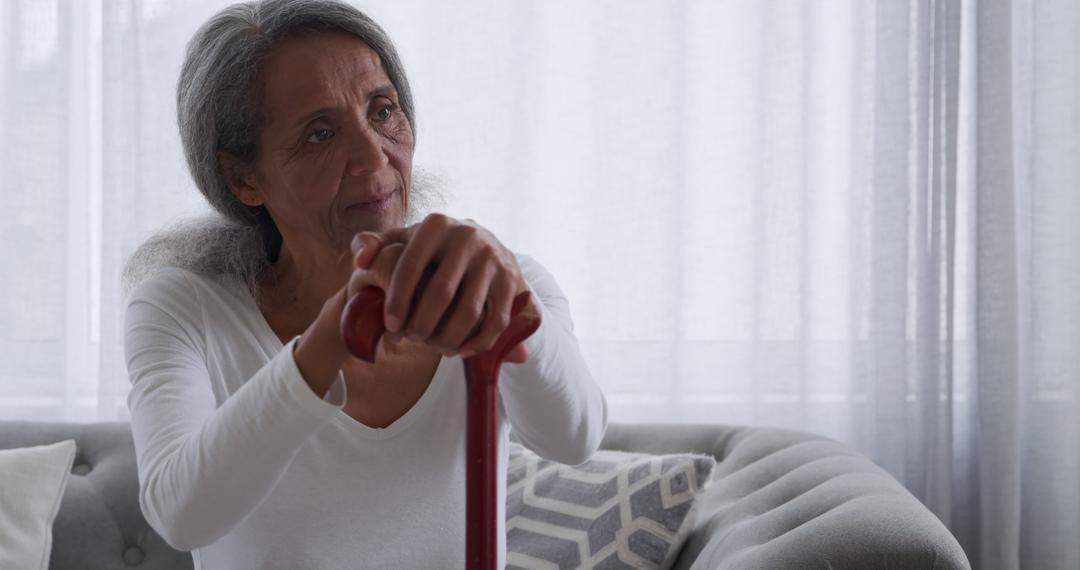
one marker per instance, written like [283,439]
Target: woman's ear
[240,177]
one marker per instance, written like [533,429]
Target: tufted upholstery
[778,499]
[787,499]
[99,524]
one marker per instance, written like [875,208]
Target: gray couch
[778,499]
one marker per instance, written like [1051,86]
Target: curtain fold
[852,218]
[997,299]
[1045,59]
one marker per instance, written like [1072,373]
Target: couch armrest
[99,524]
[787,499]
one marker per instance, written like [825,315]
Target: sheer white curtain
[860,219]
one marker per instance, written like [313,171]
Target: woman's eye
[320,135]
[384,113]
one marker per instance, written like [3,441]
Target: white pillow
[32,482]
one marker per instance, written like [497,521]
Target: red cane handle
[361,328]
[362,322]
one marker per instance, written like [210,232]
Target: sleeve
[203,468]
[551,401]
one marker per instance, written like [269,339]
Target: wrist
[320,352]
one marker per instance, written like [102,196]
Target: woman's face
[335,147]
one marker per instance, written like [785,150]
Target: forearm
[552,401]
[201,475]
[207,459]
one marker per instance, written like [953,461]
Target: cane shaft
[481,472]
[362,326]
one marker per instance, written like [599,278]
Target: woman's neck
[299,284]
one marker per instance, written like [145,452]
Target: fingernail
[357,244]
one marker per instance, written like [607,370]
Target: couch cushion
[616,510]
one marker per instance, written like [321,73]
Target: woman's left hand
[453,285]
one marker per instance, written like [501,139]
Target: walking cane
[362,326]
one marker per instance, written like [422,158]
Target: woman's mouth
[374,206]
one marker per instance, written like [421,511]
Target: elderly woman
[261,442]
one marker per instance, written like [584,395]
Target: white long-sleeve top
[242,464]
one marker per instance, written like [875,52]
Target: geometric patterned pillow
[616,510]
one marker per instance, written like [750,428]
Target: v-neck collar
[418,409]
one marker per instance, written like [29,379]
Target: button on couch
[778,499]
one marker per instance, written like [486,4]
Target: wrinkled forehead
[316,69]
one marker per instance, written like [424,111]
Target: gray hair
[217,100]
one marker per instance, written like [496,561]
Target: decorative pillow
[32,481]
[616,510]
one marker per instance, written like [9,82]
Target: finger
[420,251]
[379,272]
[466,313]
[383,267]
[436,297]
[500,299]
[400,235]
[365,247]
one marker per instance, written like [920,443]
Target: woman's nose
[365,153]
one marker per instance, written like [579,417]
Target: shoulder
[539,278]
[166,285]
[175,285]
[533,271]
[178,293]
[529,264]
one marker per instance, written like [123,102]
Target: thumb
[366,246]
[519,354]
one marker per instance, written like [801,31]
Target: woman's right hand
[373,265]
[361,317]
[375,259]
[321,353]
